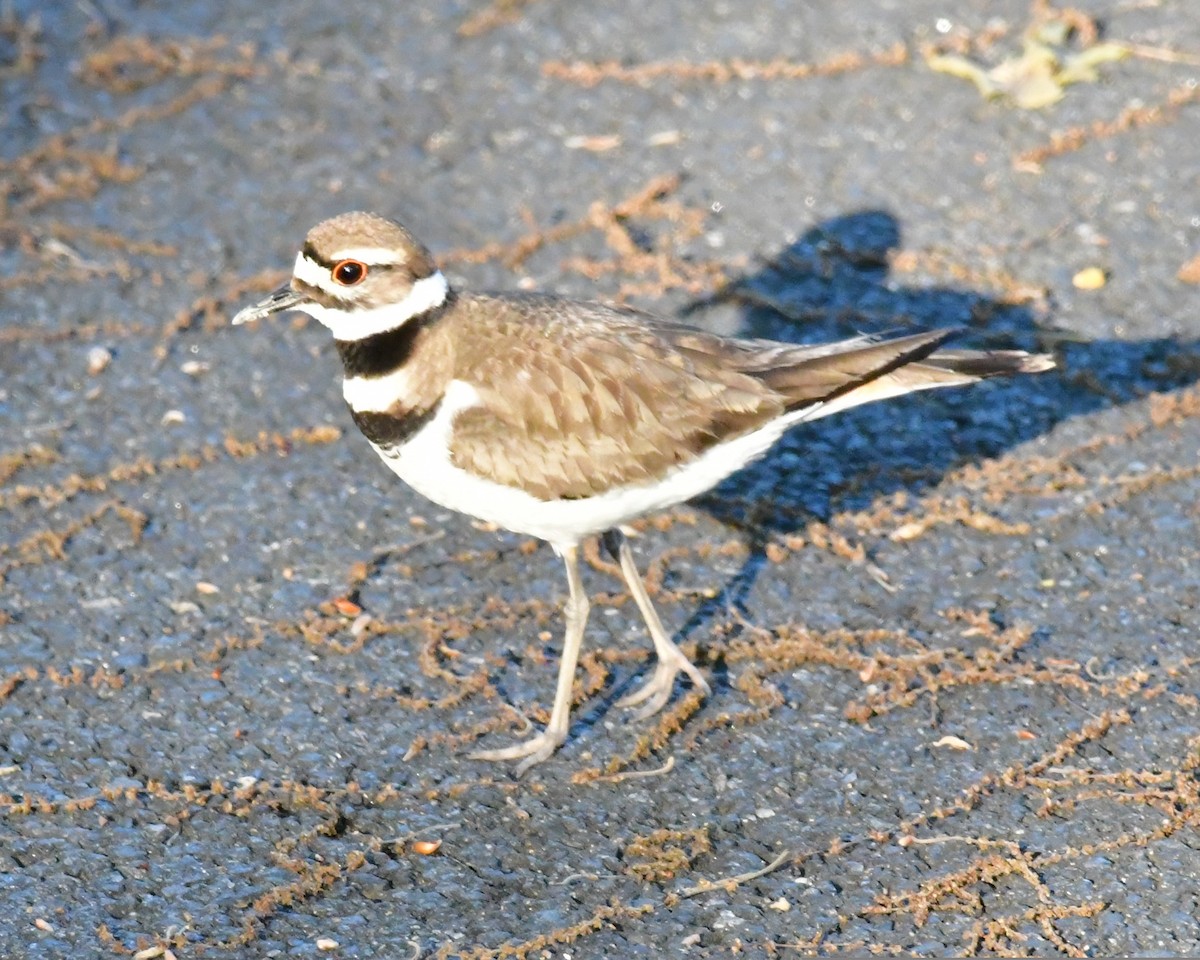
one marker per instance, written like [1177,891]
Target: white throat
[425,295]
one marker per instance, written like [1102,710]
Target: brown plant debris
[663,854]
[669,723]
[539,946]
[995,483]
[895,679]
[498,13]
[71,165]
[606,218]
[652,272]
[78,175]
[729,884]
[111,329]
[1174,792]
[50,545]
[128,63]
[35,455]
[959,510]
[213,312]
[945,265]
[931,895]
[1015,775]
[108,239]
[104,678]
[61,168]
[279,443]
[1000,936]
[1131,118]
[315,879]
[589,74]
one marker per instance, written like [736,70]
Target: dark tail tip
[991,363]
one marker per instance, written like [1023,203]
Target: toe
[531,751]
[542,753]
[656,691]
[630,700]
[696,677]
[656,701]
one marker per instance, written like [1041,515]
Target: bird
[565,419]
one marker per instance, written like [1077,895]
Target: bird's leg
[539,747]
[655,692]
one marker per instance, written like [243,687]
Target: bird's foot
[653,695]
[534,750]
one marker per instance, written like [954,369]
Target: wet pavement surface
[956,703]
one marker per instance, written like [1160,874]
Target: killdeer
[563,419]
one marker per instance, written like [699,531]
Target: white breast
[377,394]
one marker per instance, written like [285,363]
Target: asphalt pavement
[952,638]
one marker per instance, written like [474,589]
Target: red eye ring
[349,272]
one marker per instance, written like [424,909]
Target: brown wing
[578,402]
[581,398]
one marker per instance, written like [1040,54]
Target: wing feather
[576,398]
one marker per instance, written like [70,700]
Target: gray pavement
[956,707]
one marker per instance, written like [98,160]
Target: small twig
[406,838]
[728,883]
[982,843]
[521,715]
[638,774]
[1165,54]
[384,554]
[876,573]
[572,877]
[1090,669]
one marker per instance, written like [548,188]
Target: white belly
[424,464]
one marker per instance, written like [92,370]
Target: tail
[861,371]
[981,364]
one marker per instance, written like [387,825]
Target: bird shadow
[836,281]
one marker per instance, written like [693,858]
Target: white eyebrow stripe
[310,272]
[383,256]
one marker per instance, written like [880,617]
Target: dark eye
[349,272]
